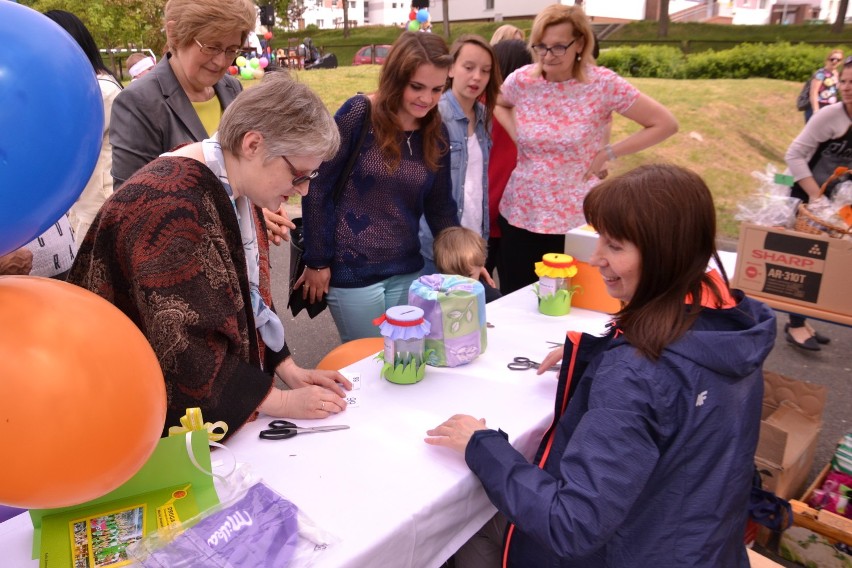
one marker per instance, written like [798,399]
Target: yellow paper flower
[556,265]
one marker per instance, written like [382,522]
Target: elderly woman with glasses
[557,110]
[183,97]
[177,249]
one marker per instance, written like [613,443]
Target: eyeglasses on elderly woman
[214,50]
[297,177]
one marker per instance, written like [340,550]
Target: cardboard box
[810,542]
[791,420]
[794,271]
[580,243]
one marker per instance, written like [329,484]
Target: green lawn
[728,128]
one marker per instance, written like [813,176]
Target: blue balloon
[51,124]
[422,15]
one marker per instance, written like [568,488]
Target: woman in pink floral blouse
[557,110]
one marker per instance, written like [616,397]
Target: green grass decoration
[558,304]
[402,374]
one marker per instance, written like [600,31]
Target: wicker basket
[807,222]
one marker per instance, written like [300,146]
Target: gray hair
[290,116]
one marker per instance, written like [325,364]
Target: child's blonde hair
[458,250]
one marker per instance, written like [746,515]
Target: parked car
[366,55]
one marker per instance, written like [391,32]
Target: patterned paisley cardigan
[166,250]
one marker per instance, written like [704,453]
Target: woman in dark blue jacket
[649,459]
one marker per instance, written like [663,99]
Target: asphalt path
[310,339]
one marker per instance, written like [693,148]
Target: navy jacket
[647,463]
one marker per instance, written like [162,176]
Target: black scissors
[282,429]
[523,364]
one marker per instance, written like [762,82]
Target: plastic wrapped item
[770,204]
[827,215]
[257,528]
[842,195]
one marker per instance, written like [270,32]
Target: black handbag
[803,101]
[297,239]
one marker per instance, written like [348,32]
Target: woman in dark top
[362,246]
[177,250]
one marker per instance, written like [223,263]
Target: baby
[138,64]
[459,250]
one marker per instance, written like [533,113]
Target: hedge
[774,61]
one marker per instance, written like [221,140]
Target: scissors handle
[277,433]
[522,364]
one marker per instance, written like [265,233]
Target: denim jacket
[457,123]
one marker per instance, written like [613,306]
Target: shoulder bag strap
[341,180]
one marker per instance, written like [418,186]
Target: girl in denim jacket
[466,108]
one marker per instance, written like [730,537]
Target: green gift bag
[171,487]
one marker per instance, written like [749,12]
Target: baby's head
[138,64]
[459,250]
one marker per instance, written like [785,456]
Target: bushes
[643,61]
[774,61]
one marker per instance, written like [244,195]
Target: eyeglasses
[556,50]
[834,59]
[214,50]
[297,177]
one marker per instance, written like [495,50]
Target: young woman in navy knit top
[362,248]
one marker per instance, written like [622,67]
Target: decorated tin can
[404,330]
[554,289]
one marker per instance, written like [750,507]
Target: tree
[837,27]
[282,10]
[663,27]
[115,23]
[295,11]
[345,18]
[445,8]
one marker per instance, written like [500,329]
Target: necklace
[408,142]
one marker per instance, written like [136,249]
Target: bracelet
[610,152]
[317,268]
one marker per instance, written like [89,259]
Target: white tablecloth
[390,498]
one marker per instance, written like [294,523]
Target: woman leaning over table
[362,248]
[557,110]
[650,458]
[182,98]
[177,250]
[822,146]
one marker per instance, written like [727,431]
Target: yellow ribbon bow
[192,421]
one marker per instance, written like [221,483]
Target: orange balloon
[350,352]
[83,398]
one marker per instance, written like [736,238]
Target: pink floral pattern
[561,126]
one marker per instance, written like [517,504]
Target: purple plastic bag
[260,529]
